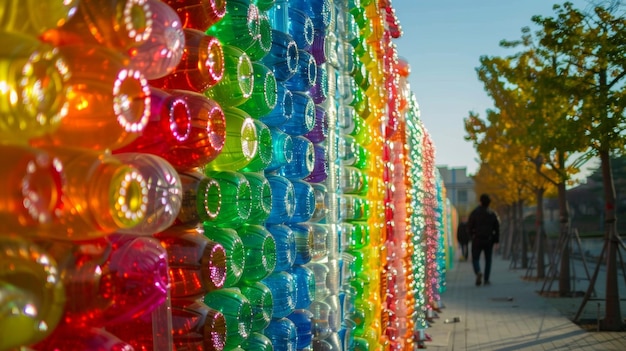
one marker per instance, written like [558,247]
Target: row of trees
[558,101]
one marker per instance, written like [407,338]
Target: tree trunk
[564,274]
[613,316]
[540,234]
[523,234]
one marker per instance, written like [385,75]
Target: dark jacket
[462,234]
[484,225]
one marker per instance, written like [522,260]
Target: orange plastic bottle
[108,103]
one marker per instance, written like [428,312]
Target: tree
[592,49]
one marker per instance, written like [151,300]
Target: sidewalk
[510,315]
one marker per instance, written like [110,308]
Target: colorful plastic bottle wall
[214,175]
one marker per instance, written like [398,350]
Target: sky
[442,41]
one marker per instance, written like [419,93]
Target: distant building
[459,188]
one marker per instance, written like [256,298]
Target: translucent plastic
[300,27]
[241,142]
[320,168]
[201,65]
[320,90]
[263,42]
[108,107]
[236,85]
[199,14]
[265,149]
[304,239]
[197,264]
[283,199]
[306,73]
[264,5]
[230,240]
[201,199]
[260,252]
[196,326]
[282,57]
[162,51]
[236,198]
[319,133]
[36,77]
[262,304]
[185,128]
[236,310]
[261,197]
[164,196]
[301,318]
[69,338]
[32,295]
[302,118]
[117,24]
[283,288]
[282,149]
[112,283]
[240,27]
[283,110]
[305,285]
[264,92]
[101,195]
[285,246]
[32,188]
[258,342]
[303,160]
[282,332]
[35,17]
[305,201]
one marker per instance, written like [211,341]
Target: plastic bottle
[285,246]
[282,149]
[264,5]
[262,303]
[320,90]
[34,100]
[196,264]
[117,24]
[306,73]
[185,128]
[32,188]
[261,197]
[237,83]
[165,192]
[199,14]
[303,160]
[108,107]
[283,199]
[69,338]
[283,334]
[32,295]
[260,252]
[240,27]
[302,118]
[320,193]
[301,318]
[305,201]
[319,133]
[264,92]
[282,57]
[101,195]
[35,17]
[111,282]
[305,285]
[303,237]
[300,27]
[201,199]
[236,310]
[235,257]
[258,342]
[201,65]
[319,173]
[241,145]
[236,199]
[283,110]
[265,149]
[283,288]
[263,42]
[196,326]
[162,51]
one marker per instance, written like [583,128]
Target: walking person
[484,228]
[463,237]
